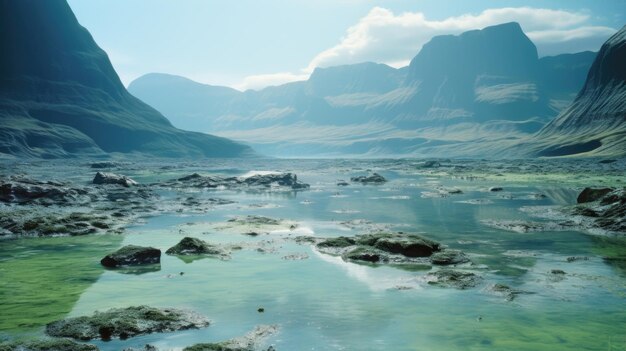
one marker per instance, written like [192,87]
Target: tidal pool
[321,302]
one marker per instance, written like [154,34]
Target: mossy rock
[47,345]
[126,322]
[339,242]
[449,257]
[366,254]
[453,279]
[194,246]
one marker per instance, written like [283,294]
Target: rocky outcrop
[394,248]
[453,279]
[21,190]
[374,178]
[592,194]
[124,323]
[195,246]
[132,255]
[259,181]
[112,178]
[248,342]
[47,345]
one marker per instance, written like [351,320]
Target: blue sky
[251,44]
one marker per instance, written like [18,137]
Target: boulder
[592,194]
[132,255]
[495,188]
[453,279]
[124,323]
[375,178]
[112,178]
[449,257]
[194,246]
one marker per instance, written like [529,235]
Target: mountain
[60,96]
[463,95]
[595,123]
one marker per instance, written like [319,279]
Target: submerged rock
[249,342]
[132,255]
[112,178]
[375,178]
[449,257]
[504,290]
[194,246]
[282,179]
[46,345]
[124,323]
[495,189]
[453,279]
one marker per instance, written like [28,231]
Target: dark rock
[449,257]
[453,279]
[258,181]
[342,183]
[577,258]
[557,271]
[46,345]
[194,246]
[28,191]
[607,161]
[495,188]
[365,254]
[126,322]
[592,194]
[509,293]
[375,178]
[112,178]
[132,255]
[381,248]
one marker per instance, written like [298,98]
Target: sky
[250,44]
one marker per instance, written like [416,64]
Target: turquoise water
[324,303]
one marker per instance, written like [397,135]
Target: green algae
[42,279]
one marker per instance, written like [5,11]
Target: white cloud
[382,36]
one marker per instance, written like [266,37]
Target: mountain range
[60,96]
[468,95]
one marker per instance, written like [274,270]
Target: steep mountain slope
[60,96]
[595,123]
[461,95]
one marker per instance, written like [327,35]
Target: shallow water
[322,302]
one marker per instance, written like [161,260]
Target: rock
[28,191]
[577,258]
[453,279]
[124,323]
[365,254]
[46,345]
[495,188]
[449,257]
[557,272]
[194,246]
[249,342]
[342,183]
[104,164]
[284,180]
[132,255]
[607,161]
[509,293]
[375,178]
[112,178]
[255,220]
[146,347]
[381,248]
[592,194]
